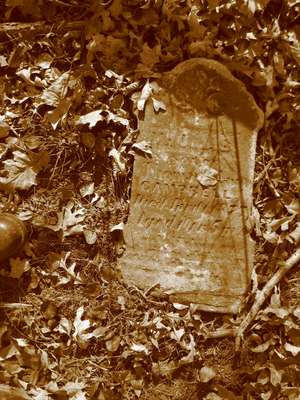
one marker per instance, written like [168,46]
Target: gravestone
[191,201]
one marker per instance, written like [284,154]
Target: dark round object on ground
[13,234]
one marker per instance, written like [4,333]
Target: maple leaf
[150,56]
[59,113]
[56,91]
[116,118]
[23,169]
[90,119]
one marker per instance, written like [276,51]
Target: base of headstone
[187,229]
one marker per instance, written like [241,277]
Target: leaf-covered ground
[72,77]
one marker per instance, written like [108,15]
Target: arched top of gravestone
[208,87]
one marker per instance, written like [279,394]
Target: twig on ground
[267,290]
[140,292]
[221,333]
[15,305]
[12,27]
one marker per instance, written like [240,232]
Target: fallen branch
[28,27]
[267,290]
[15,305]
[221,333]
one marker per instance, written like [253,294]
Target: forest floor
[71,78]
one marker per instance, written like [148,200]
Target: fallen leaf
[57,91]
[3,61]
[179,306]
[177,334]
[206,374]
[71,275]
[40,394]
[90,119]
[213,396]
[145,94]
[137,385]
[275,375]
[44,60]
[190,357]
[23,169]
[75,388]
[139,348]
[4,128]
[118,159]
[113,344]
[158,105]
[90,236]
[54,117]
[150,56]
[118,227]
[295,350]
[79,396]
[18,267]
[80,326]
[142,149]
[8,352]
[25,73]
[87,189]
[69,220]
[64,326]
[262,347]
[164,368]
[116,118]
[12,393]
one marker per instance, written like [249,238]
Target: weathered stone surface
[190,203]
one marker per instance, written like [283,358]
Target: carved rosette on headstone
[190,202]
